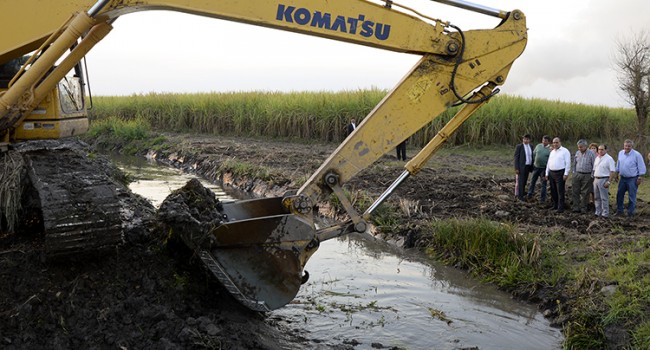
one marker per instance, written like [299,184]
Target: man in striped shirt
[582,182]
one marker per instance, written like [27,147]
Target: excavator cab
[62,113]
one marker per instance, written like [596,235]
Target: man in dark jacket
[523,166]
[350,128]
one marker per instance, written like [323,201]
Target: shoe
[559,211]
[575,210]
[604,216]
[597,214]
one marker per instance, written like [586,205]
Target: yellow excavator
[259,250]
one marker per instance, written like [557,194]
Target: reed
[322,116]
[129,136]
[487,248]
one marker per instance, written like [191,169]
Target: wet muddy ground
[142,296]
[456,183]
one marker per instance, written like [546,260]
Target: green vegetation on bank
[487,248]
[598,288]
[300,115]
[323,115]
[128,135]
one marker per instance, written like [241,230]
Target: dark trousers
[581,184]
[522,179]
[538,173]
[401,151]
[626,184]
[556,182]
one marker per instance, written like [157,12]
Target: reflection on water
[362,291]
[369,292]
[155,182]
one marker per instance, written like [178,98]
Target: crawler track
[78,200]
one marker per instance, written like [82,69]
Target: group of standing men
[593,170]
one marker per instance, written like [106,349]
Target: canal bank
[373,295]
[591,277]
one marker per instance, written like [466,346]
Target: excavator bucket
[256,249]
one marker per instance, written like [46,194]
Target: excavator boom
[259,247]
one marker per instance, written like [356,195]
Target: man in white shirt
[557,172]
[604,174]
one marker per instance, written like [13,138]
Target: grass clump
[244,169]
[128,136]
[486,248]
[629,304]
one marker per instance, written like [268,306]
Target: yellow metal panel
[362,22]
[48,121]
[30,22]
[50,129]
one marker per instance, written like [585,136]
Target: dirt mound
[134,299]
[140,295]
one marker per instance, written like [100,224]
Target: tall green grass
[130,136]
[322,116]
[487,248]
[302,115]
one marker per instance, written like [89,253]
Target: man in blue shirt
[630,166]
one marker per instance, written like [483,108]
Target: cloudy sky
[569,56]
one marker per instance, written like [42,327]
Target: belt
[555,171]
[629,177]
[602,177]
[580,172]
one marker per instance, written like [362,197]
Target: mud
[144,295]
[453,185]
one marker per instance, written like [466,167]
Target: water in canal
[369,294]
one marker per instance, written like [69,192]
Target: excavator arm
[259,250]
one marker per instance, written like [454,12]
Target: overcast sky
[569,56]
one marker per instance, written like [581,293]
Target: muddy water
[155,182]
[371,295]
